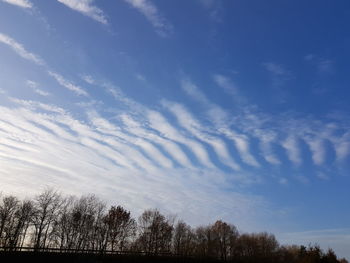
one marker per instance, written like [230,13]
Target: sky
[205,109]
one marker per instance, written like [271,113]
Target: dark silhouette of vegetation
[71,226]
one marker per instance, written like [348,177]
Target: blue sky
[208,109]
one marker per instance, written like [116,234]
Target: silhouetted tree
[183,239]
[51,221]
[155,232]
[8,208]
[16,232]
[225,236]
[121,227]
[46,206]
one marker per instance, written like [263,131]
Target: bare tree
[121,227]
[183,239]
[260,247]
[224,236]
[155,232]
[63,226]
[8,208]
[46,206]
[20,224]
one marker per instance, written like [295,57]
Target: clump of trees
[51,220]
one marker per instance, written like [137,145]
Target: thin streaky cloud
[41,92]
[292,149]
[160,124]
[214,7]
[219,117]
[192,90]
[65,83]
[138,127]
[20,50]
[152,14]
[38,105]
[87,8]
[276,69]
[34,86]
[20,3]
[342,149]
[187,121]
[171,148]
[106,127]
[326,66]
[84,154]
[317,150]
[88,79]
[226,84]
[242,144]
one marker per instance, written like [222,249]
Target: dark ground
[55,257]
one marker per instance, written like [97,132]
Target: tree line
[50,220]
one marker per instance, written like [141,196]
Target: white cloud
[65,83]
[140,77]
[309,57]
[317,149]
[150,11]
[226,84]
[221,120]
[87,8]
[326,66]
[293,152]
[322,176]
[214,7]
[172,149]
[342,149]
[88,79]
[276,69]
[242,145]
[195,128]
[192,90]
[265,146]
[20,50]
[34,86]
[20,3]
[159,123]
[55,149]
[106,127]
[284,130]
[322,64]
[303,179]
[283,181]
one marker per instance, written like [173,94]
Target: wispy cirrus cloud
[20,3]
[33,85]
[214,7]
[248,123]
[276,69]
[220,118]
[152,14]
[323,65]
[20,50]
[24,53]
[226,84]
[293,151]
[159,123]
[186,120]
[86,7]
[108,160]
[67,84]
